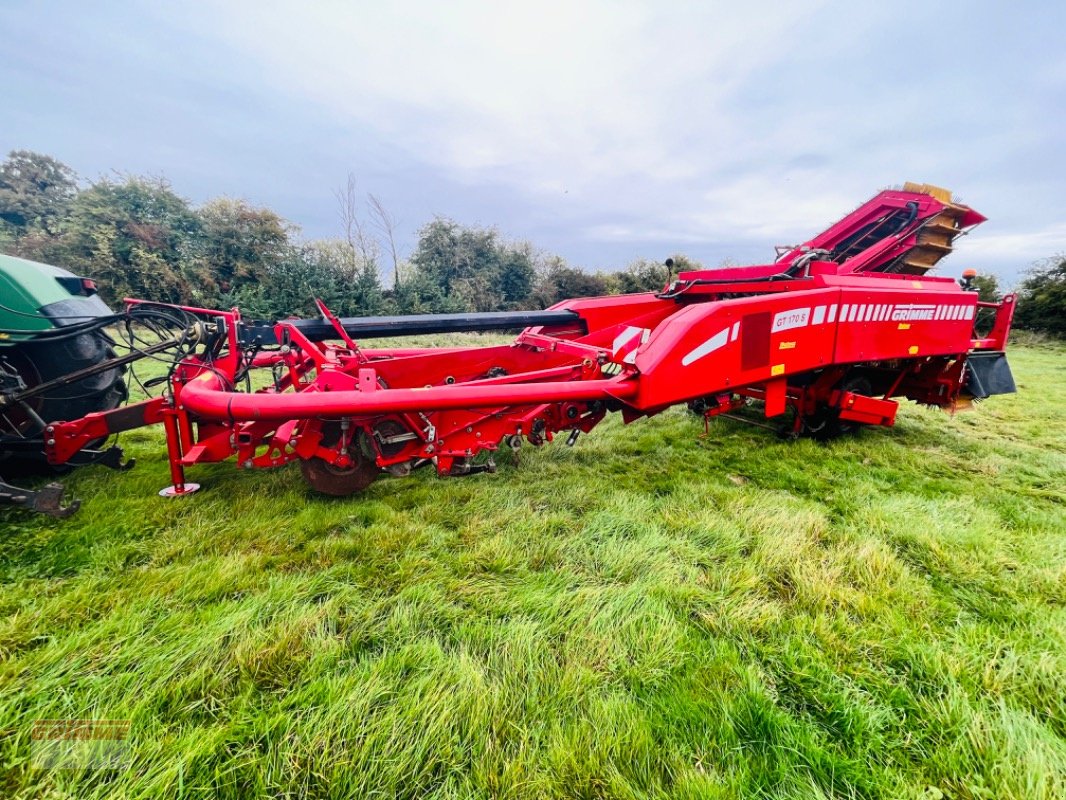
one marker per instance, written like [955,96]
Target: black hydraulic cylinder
[414,324]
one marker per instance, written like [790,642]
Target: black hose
[63,332]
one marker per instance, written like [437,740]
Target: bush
[319,269]
[1042,298]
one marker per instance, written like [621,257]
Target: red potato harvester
[836,330]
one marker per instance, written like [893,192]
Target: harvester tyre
[825,423]
[327,478]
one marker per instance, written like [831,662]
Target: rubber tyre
[825,423]
[325,478]
[41,360]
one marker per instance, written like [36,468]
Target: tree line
[138,238]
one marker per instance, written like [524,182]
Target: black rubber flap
[988,374]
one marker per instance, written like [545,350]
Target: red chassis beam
[834,330]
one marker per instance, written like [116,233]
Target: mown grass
[648,614]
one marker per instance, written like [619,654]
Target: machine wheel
[825,423]
[41,360]
[336,481]
[326,478]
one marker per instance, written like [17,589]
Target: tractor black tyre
[41,360]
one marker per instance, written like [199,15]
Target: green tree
[417,294]
[1042,298]
[987,287]
[557,281]
[472,267]
[356,281]
[136,237]
[516,274]
[643,275]
[238,243]
[35,192]
[315,270]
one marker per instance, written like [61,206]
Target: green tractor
[57,362]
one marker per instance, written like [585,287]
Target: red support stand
[174,454]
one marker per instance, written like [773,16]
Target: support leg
[174,454]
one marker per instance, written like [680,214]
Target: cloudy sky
[601,131]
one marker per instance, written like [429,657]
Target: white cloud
[1021,248]
[554,92]
[641,121]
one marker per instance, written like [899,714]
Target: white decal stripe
[939,312]
[622,339]
[819,315]
[735,332]
[956,312]
[844,312]
[712,344]
[832,313]
[970,311]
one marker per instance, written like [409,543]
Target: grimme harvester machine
[835,331]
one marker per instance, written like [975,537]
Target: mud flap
[988,373]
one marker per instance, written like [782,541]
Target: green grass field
[648,614]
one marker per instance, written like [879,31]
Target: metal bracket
[46,500]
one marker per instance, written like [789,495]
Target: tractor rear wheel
[40,360]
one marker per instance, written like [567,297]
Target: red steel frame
[787,334]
